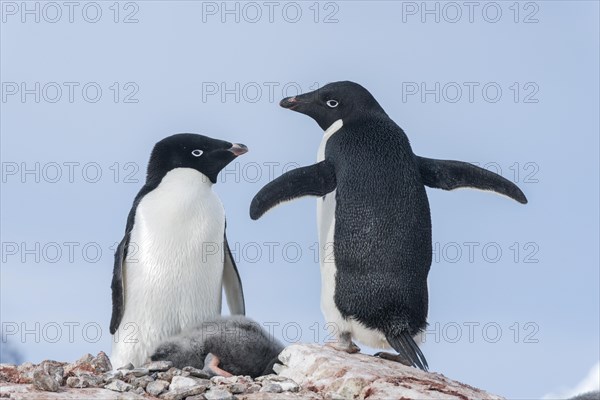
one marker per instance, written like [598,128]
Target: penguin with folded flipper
[374,211]
[174,260]
[223,346]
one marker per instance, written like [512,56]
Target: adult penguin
[174,259]
[374,211]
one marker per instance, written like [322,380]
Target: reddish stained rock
[84,381]
[101,362]
[9,373]
[88,364]
[367,377]
[25,372]
[54,369]
[43,381]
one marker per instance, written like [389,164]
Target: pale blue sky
[178,53]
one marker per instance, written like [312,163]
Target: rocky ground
[306,372]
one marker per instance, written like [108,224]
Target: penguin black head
[338,100]
[188,150]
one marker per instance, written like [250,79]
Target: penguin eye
[197,153]
[332,103]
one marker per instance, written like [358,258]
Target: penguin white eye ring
[197,153]
[332,103]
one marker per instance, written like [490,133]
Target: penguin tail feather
[406,346]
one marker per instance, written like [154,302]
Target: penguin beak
[238,149]
[298,103]
[289,102]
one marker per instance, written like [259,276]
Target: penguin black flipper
[450,174]
[117,287]
[232,283]
[406,346]
[118,295]
[314,180]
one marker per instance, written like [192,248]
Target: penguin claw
[349,348]
[399,358]
[211,366]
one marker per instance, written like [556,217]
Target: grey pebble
[218,394]
[286,384]
[237,388]
[26,372]
[224,380]
[253,388]
[272,377]
[45,382]
[271,387]
[101,362]
[112,375]
[141,382]
[198,373]
[289,385]
[182,393]
[159,366]
[184,382]
[277,368]
[118,386]
[85,381]
[136,372]
[168,375]
[200,381]
[139,391]
[164,376]
[157,387]
[54,369]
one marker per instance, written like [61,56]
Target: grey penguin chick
[225,346]
[373,211]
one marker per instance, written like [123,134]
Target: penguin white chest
[326,226]
[173,272]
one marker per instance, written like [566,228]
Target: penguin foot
[347,346]
[345,343]
[399,358]
[211,366]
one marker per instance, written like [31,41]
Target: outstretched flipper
[409,352]
[315,180]
[232,284]
[449,175]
